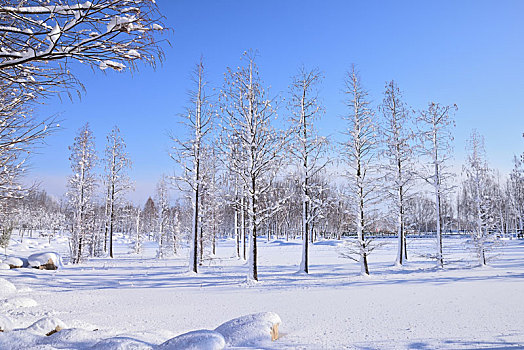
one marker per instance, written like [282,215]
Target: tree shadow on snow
[464,344]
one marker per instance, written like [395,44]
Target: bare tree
[435,131]
[213,195]
[478,187]
[359,154]
[248,113]
[20,133]
[137,245]
[188,153]
[398,138]
[308,147]
[233,160]
[164,236]
[149,218]
[81,189]
[116,179]
[515,187]
[233,193]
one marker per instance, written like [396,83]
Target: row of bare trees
[390,152]
[82,185]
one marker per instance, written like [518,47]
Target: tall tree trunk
[304,265]
[243,228]
[201,245]
[364,269]
[237,233]
[111,219]
[400,225]
[214,237]
[440,258]
[194,230]
[253,252]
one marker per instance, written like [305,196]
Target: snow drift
[195,340]
[46,325]
[254,329]
[6,288]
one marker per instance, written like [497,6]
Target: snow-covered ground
[143,302]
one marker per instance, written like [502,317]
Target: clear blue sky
[466,52]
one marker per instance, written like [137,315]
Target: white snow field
[139,302]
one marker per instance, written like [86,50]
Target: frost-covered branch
[101,33]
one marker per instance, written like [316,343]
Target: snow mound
[5,323]
[21,302]
[74,338]
[48,260]
[20,340]
[14,262]
[42,347]
[251,329]
[6,287]
[46,325]
[121,343]
[195,340]
[24,289]
[4,266]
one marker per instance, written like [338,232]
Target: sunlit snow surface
[137,300]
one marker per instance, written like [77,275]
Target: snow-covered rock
[6,288]
[4,266]
[46,325]
[121,343]
[195,340]
[5,323]
[21,302]
[14,262]
[47,261]
[251,329]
